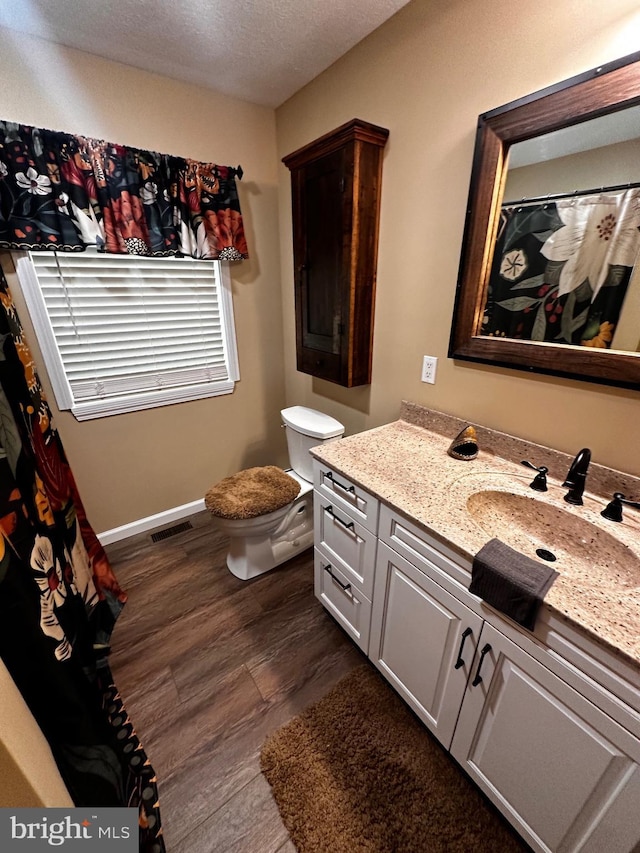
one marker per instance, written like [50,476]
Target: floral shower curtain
[561,268]
[59,601]
[64,192]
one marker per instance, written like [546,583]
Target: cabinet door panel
[417,639]
[550,759]
[321,274]
[618,830]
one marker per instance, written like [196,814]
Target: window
[121,333]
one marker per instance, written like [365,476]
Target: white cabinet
[344,601]
[547,725]
[562,771]
[344,494]
[348,545]
[345,525]
[423,640]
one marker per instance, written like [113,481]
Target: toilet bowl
[263,541]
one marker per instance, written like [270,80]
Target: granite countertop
[463,504]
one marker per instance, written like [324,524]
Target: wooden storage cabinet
[335,189]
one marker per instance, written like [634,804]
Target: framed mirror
[559,131]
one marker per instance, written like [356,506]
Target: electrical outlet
[429,364]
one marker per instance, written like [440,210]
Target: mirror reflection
[565,259]
[573,306]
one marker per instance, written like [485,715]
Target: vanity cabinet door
[422,640]
[562,771]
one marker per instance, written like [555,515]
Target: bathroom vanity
[546,722]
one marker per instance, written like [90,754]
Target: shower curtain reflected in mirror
[561,268]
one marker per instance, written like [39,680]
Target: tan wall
[426,75]
[134,465]
[28,774]
[601,167]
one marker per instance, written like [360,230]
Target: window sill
[151,400]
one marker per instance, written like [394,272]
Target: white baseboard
[116,534]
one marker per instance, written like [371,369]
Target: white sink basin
[538,528]
[600,556]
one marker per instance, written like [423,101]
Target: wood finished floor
[208,666]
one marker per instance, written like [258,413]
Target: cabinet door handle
[346,587]
[485,651]
[347,524]
[466,633]
[350,489]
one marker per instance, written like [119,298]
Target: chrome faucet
[577,477]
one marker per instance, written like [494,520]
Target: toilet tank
[306,428]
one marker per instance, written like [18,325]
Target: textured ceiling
[256,50]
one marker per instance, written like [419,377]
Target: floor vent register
[159,535]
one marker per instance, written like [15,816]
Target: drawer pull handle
[485,651]
[329,476]
[346,587]
[460,662]
[347,524]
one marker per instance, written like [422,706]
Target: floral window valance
[65,193]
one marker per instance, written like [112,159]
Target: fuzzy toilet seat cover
[252,492]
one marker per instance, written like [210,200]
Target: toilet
[265,539]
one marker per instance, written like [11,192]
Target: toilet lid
[252,492]
[311,422]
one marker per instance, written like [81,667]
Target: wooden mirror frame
[601,91]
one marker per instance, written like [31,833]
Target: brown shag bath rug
[358,773]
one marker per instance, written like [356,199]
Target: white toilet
[263,542]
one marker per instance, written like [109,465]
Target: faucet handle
[613,510]
[539,482]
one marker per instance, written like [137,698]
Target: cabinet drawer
[410,541]
[588,659]
[345,543]
[344,602]
[342,493]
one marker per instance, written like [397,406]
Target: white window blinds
[131,332]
